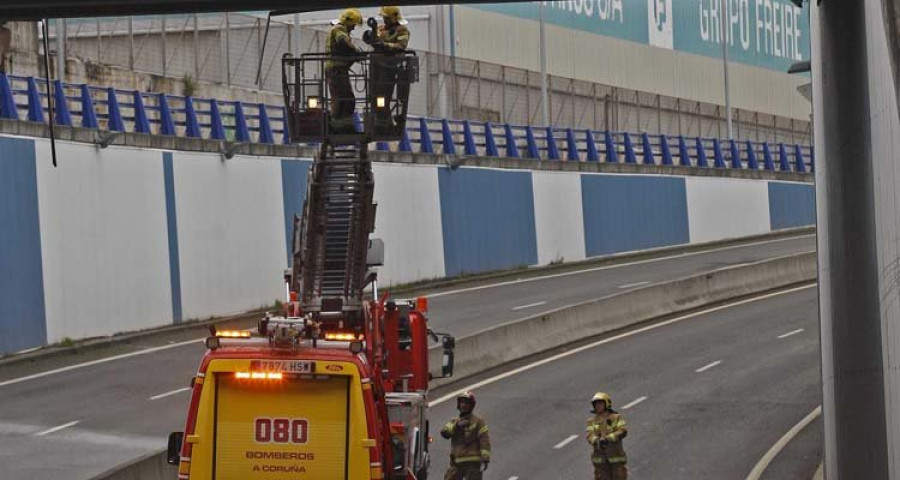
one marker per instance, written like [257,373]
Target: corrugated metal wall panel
[477,238]
[791,205]
[22,314]
[625,213]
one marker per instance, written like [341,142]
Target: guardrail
[116,110]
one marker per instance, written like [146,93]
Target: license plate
[286,366]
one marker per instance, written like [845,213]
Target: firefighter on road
[343,52]
[470,442]
[605,431]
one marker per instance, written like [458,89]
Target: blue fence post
[785,164]
[405,144]
[798,159]
[592,155]
[382,147]
[217,128]
[666,152]
[469,147]
[241,131]
[285,128]
[735,155]
[531,143]
[358,126]
[88,114]
[469,139]
[166,122]
[701,154]
[425,145]
[684,156]
[718,158]
[752,163]
[630,156]
[7,102]
[447,138]
[61,111]
[571,146]
[141,122]
[767,158]
[114,123]
[611,155]
[265,127]
[35,102]
[552,150]
[191,125]
[647,150]
[512,150]
[490,142]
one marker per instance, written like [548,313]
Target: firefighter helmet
[392,15]
[349,17]
[467,396]
[602,397]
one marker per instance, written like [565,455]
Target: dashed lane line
[707,367]
[788,334]
[169,394]
[633,403]
[565,442]
[56,429]
[530,305]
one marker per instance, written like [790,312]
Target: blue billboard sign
[771,34]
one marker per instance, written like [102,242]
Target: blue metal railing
[110,109]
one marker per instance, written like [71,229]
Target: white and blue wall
[121,239]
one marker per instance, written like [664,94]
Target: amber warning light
[259,375]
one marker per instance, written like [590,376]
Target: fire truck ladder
[339,215]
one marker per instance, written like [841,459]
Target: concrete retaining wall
[132,237]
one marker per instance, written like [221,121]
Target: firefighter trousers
[464,471]
[343,102]
[610,471]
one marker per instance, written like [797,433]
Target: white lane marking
[635,402]
[97,362]
[608,267]
[56,429]
[788,334]
[568,353]
[167,394]
[530,305]
[632,285]
[565,442]
[764,462]
[513,478]
[707,367]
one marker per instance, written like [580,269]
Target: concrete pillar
[856,223]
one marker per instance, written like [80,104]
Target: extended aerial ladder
[331,239]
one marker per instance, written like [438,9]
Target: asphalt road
[693,422]
[125,408]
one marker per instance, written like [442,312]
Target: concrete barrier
[512,341]
[152,466]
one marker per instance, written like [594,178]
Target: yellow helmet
[350,17]
[392,14]
[602,397]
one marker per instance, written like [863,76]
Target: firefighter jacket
[608,426]
[469,439]
[395,38]
[340,44]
